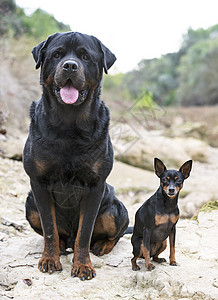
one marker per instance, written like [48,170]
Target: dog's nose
[70,66]
[171,190]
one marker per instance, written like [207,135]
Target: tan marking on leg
[50,260]
[55,241]
[105,224]
[78,236]
[172,252]
[159,250]
[82,266]
[154,247]
[146,254]
[35,220]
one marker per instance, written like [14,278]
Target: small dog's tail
[129,230]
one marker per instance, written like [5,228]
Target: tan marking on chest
[97,165]
[161,219]
[40,166]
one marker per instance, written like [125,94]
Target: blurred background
[162,91]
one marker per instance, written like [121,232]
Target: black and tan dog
[156,219]
[68,155]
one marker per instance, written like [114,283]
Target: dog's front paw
[173,263]
[135,267]
[159,260]
[150,267]
[49,264]
[83,271]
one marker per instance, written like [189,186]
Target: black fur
[68,155]
[156,219]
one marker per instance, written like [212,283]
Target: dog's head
[72,65]
[172,180]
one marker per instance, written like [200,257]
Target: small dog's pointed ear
[37,51]
[108,57]
[159,167]
[186,168]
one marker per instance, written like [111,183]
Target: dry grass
[208,207]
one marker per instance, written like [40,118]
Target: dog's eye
[85,57]
[164,180]
[179,181]
[56,54]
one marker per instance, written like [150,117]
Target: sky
[132,29]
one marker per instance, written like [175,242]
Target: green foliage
[113,82]
[188,77]
[198,74]
[114,89]
[157,76]
[14,22]
[10,18]
[194,36]
[145,102]
[208,207]
[41,24]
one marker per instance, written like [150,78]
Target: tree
[157,76]
[198,74]
[41,24]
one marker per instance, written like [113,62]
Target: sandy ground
[196,276]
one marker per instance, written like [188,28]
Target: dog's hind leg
[110,225]
[160,247]
[32,214]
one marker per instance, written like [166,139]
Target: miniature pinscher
[156,219]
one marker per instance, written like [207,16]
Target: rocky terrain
[195,277]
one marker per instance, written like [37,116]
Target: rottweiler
[156,219]
[68,155]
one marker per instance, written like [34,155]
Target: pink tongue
[69,94]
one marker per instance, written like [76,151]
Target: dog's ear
[108,57]
[37,53]
[38,50]
[186,168]
[159,167]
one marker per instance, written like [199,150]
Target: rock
[124,177]
[215,282]
[184,292]
[196,149]
[190,204]
[142,154]
[12,147]
[213,137]
[206,226]
[196,130]
[173,151]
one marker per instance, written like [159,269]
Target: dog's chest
[67,195]
[163,226]
[72,182]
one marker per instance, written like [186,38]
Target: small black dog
[68,155]
[156,219]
